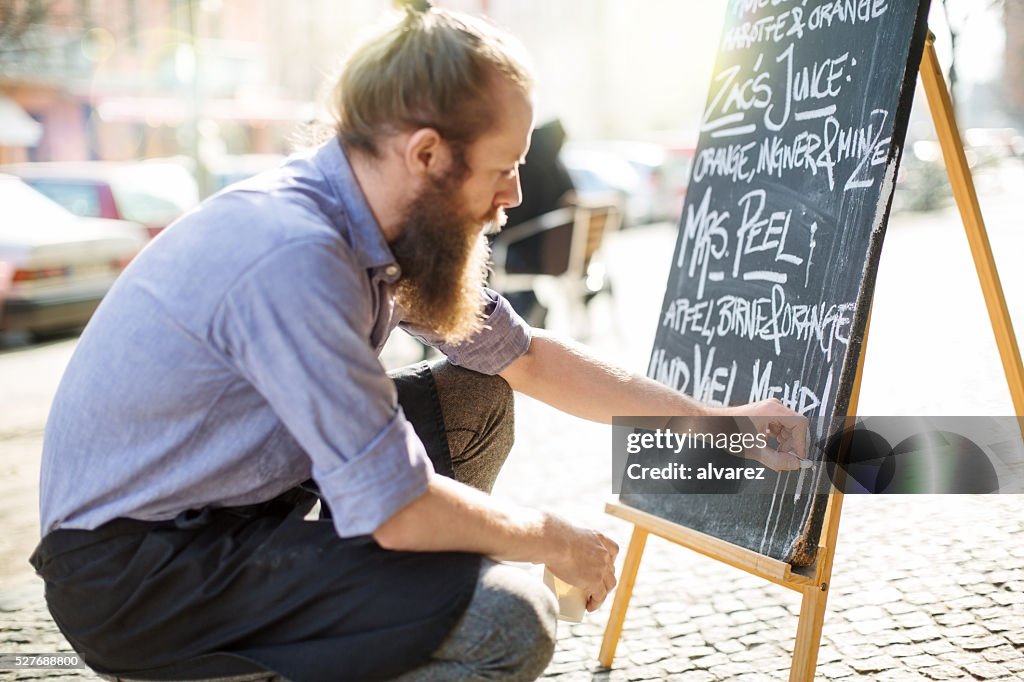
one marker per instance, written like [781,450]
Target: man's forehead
[509,138]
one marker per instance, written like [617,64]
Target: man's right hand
[581,557]
[450,516]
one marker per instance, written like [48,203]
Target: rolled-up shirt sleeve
[504,338]
[297,326]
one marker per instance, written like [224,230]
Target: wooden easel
[815,589]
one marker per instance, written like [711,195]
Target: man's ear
[426,153]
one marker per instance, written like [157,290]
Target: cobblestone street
[923,587]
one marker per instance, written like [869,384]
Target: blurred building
[119,79]
[615,68]
[115,79]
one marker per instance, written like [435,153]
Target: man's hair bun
[418,6]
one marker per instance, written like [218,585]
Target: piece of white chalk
[805,464]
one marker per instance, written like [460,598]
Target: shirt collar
[365,234]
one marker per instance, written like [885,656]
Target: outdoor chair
[558,253]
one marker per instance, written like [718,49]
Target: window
[80,198]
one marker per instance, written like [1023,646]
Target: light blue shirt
[237,357]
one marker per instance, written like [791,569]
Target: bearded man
[230,381]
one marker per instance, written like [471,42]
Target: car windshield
[146,208]
[81,198]
[154,193]
[21,201]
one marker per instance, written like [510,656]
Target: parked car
[650,178]
[231,169]
[153,193]
[55,267]
[991,146]
[674,178]
[599,173]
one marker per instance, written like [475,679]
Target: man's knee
[509,625]
[527,617]
[501,412]
[490,394]
[479,417]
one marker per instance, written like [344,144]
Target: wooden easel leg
[967,201]
[630,565]
[808,634]
[814,598]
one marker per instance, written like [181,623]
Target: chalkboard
[774,265]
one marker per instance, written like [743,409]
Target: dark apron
[258,584]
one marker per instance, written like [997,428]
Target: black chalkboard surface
[774,266]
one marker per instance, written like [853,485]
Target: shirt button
[391,270]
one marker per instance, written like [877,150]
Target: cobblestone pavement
[923,588]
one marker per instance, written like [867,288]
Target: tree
[18,17]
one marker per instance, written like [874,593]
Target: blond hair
[432,69]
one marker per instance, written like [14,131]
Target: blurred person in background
[229,382]
[543,178]
[546,186]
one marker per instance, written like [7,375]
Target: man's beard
[444,258]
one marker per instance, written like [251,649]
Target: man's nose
[511,194]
